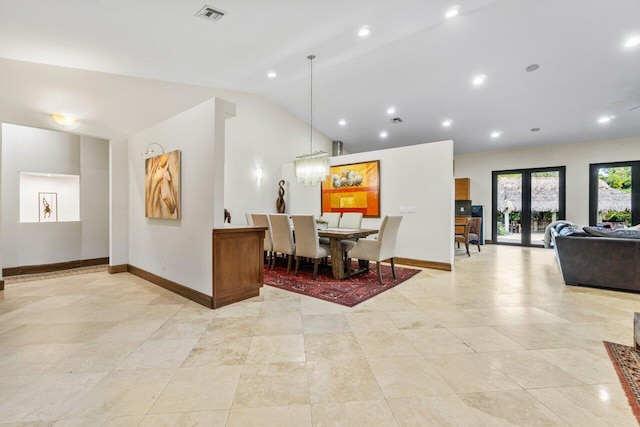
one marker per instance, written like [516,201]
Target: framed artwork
[162,186]
[47,207]
[353,188]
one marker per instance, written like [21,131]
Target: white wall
[43,151]
[184,245]
[418,175]
[262,134]
[94,197]
[575,156]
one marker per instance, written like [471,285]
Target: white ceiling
[415,60]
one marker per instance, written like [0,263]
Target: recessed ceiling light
[383,134]
[342,122]
[532,67]
[447,123]
[496,134]
[452,12]
[272,74]
[364,31]
[478,80]
[535,129]
[391,110]
[632,41]
[605,119]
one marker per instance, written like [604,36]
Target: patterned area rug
[52,274]
[347,292]
[626,360]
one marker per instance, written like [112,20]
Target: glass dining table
[335,235]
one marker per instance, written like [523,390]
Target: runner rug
[626,361]
[348,292]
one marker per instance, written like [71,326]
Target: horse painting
[162,186]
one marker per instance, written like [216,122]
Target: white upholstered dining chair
[351,220]
[307,242]
[282,238]
[262,220]
[381,249]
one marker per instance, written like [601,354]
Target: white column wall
[180,250]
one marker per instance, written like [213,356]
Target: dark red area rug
[347,292]
[626,361]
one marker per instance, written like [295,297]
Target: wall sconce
[64,121]
[150,150]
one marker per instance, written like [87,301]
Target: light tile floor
[499,341]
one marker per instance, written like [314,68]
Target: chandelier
[311,168]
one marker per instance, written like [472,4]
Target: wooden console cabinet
[238,264]
[463,189]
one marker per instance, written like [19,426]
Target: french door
[614,193]
[525,201]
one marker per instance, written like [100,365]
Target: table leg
[337,263]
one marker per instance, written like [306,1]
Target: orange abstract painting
[353,188]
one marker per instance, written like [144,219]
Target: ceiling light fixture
[383,134]
[496,134]
[632,41]
[311,168]
[391,110]
[272,74]
[364,31]
[535,129]
[452,12]
[447,123]
[64,121]
[478,80]
[342,122]
[605,119]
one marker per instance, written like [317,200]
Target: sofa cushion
[572,230]
[623,233]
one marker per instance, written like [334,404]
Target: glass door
[525,201]
[508,221]
[614,194]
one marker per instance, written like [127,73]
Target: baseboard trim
[424,264]
[120,268]
[174,287]
[46,268]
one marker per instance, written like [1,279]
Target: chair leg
[479,247]
[393,268]
[379,272]
[315,268]
[458,245]
[297,265]
[467,246]
[273,261]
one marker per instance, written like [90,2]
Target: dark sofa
[591,256]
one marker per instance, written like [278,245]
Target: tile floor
[499,341]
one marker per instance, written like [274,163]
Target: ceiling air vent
[208,12]
[396,120]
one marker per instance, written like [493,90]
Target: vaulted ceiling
[414,59]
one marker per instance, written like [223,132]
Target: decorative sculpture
[280,205]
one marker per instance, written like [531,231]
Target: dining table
[335,235]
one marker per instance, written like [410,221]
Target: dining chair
[332,218]
[381,249]
[262,220]
[351,220]
[307,242]
[471,233]
[282,238]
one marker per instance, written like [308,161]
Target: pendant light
[311,168]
